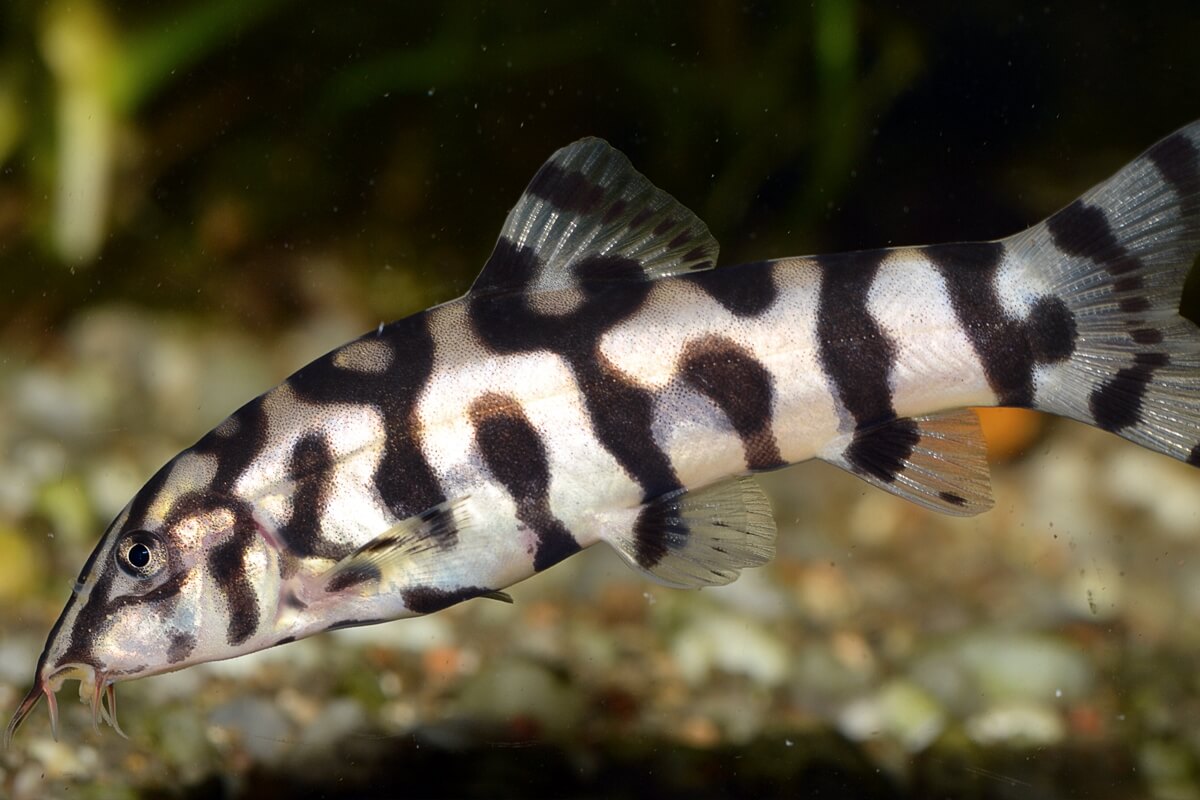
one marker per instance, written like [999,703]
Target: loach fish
[602,381]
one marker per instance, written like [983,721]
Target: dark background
[248,136]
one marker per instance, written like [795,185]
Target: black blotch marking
[1117,403]
[139,507]
[1130,283]
[1051,330]
[622,416]
[663,227]
[89,624]
[509,267]
[657,529]
[1146,335]
[953,499]
[353,623]
[1134,305]
[354,575]
[181,646]
[696,253]
[741,386]
[1194,457]
[380,544]
[311,456]
[428,599]
[1179,162]
[438,525]
[286,640]
[882,450]
[614,211]
[855,353]
[226,563]
[1156,360]
[640,218]
[511,448]
[680,240]
[91,559]
[234,454]
[1083,230]
[555,543]
[599,268]
[746,290]
[566,189]
[513,452]
[166,590]
[309,467]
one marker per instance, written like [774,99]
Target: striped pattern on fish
[602,381]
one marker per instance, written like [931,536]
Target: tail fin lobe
[1118,258]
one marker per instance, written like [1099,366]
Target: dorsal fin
[938,461]
[589,201]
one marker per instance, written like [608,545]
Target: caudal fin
[1118,258]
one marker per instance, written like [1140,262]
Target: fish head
[175,580]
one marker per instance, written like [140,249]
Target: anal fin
[690,539]
[937,461]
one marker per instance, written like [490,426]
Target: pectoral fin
[415,550]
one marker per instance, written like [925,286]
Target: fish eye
[140,554]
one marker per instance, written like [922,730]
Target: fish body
[602,381]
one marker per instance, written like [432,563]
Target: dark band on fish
[513,451]
[622,416]
[882,451]
[428,599]
[226,564]
[855,352]
[507,266]
[1008,348]
[341,625]
[730,376]
[235,453]
[657,527]
[747,291]
[858,357]
[353,575]
[92,619]
[952,498]
[1179,162]
[181,646]
[1083,231]
[566,190]
[312,459]
[1117,403]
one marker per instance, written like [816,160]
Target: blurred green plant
[100,76]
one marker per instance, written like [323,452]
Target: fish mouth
[96,689]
